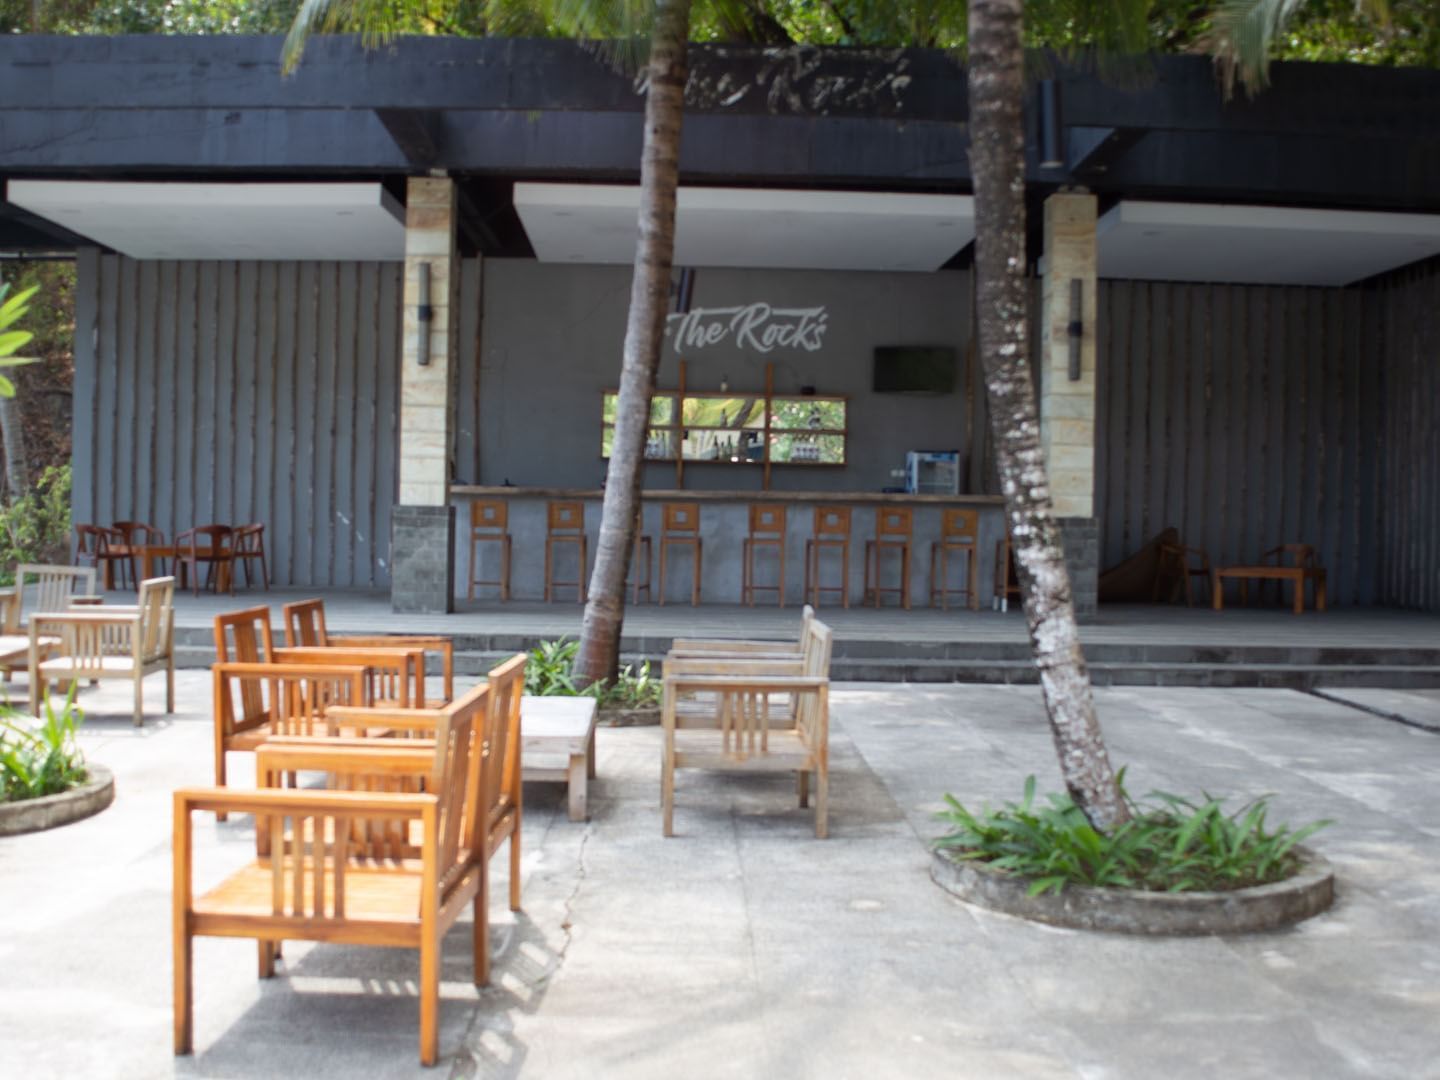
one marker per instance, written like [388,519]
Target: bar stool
[894,531]
[489,523]
[830,530]
[639,561]
[1007,586]
[767,529]
[958,533]
[680,524]
[564,524]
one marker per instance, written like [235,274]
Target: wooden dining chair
[97,546]
[212,546]
[134,535]
[304,623]
[250,546]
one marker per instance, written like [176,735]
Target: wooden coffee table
[557,742]
[1298,575]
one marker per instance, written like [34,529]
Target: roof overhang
[752,227]
[1262,245]
[322,221]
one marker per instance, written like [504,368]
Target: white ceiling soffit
[1159,241]
[360,222]
[752,227]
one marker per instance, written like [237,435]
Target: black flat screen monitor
[914,369]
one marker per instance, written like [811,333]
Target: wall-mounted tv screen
[914,369]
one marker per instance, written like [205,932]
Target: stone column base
[1081,537]
[422,559]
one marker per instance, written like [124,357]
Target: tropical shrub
[40,760]
[36,526]
[1171,844]
[549,672]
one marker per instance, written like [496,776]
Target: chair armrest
[303,801]
[739,645]
[260,669]
[86,616]
[389,641]
[363,716]
[728,665]
[379,757]
[10,611]
[760,684]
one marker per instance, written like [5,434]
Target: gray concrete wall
[552,343]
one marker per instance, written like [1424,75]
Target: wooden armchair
[103,643]
[103,549]
[132,536]
[360,864]
[1177,564]
[56,589]
[210,546]
[250,548]
[741,648]
[305,626]
[743,732]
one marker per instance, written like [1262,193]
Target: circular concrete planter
[49,811]
[1264,907]
[649,717]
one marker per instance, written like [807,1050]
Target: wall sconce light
[724,384]
[1076,328]
[424,313]
[1052,129]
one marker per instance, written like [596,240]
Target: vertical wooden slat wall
[1251,416]
[243,391]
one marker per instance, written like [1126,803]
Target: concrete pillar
[1067,404]
[422,544]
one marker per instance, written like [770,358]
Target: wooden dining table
[152,557]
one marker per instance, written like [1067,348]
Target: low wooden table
[1297,575]
[557,742]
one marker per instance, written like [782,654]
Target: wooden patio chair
[742,647]
[249,547]
[211,546]
[132,536]
[96,546]
[305,626]
[366,862]
[1179,563]
[109,642]
[744,734]
[55,588]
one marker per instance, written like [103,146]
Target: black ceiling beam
[417,132]
[1091,151]
[1173,93]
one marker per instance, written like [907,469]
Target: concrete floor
[744,947]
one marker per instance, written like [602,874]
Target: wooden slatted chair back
[157,617]
[244,636]
[501,762]
[812,712]
[456,782]
[304,623]
[395,676]
[291,698]
[54,586]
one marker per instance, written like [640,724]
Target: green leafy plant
[11,340]
[549,673]
[36,526]
[43,760]
[1171,844]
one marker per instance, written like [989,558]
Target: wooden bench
[740,727]
[1305,568]
[558,743]
[368,861]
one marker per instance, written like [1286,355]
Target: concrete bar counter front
[724,524]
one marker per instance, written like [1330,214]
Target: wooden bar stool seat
[894,531]
[565,524]
[490,524]
[959,534]
[767,529]
[831,531]
[680,526]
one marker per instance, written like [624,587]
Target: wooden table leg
[1299,583]
[576,785]
[1217,592]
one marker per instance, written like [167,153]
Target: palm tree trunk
[12,437]
[599,653]
[997,163]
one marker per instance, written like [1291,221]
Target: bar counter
[724,523]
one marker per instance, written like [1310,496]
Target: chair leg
[184,991]
[170,682]
[822,802]
[515,867]
[481,942]
[429,994]
[802,787]
[139,699]
[266,958]
[667,778]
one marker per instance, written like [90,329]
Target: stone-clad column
[422,546]
[1067,405]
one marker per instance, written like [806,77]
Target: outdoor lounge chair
[56,588]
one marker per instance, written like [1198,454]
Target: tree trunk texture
[997,165]
[599,653]
[12,436]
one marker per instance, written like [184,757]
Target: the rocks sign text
[756,326]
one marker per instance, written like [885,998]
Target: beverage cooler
[932,472]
